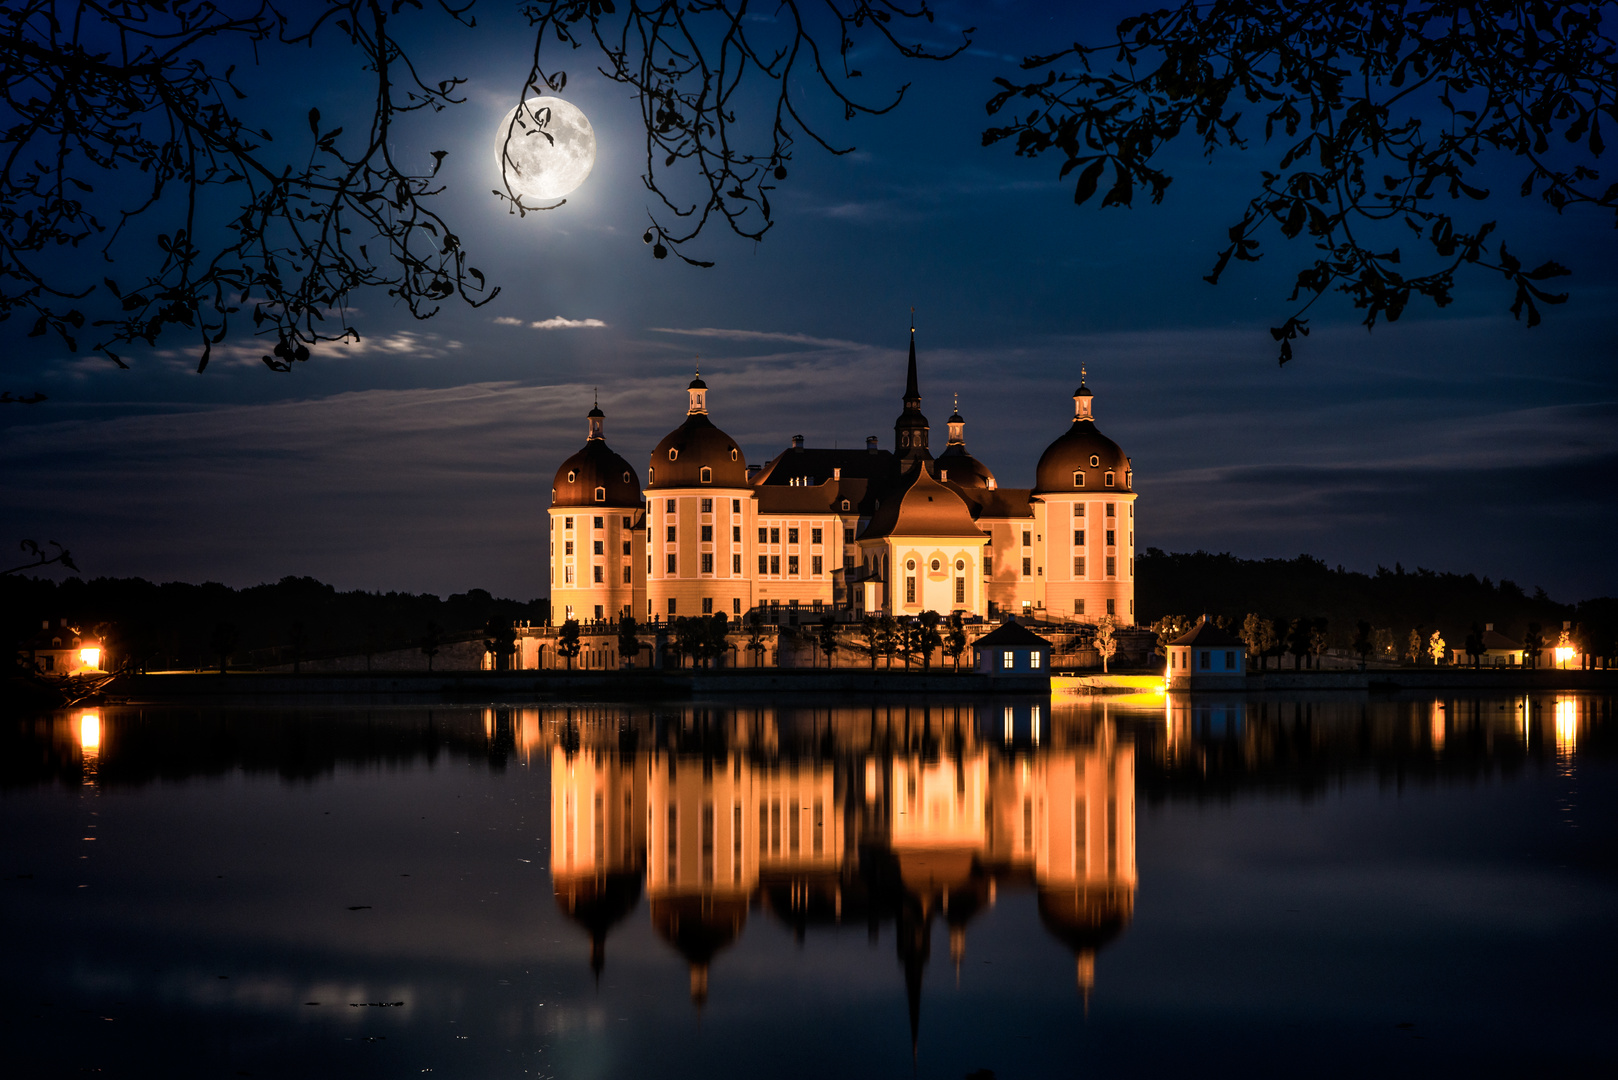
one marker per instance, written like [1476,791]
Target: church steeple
[910,430]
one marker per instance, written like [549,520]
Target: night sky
[421,459]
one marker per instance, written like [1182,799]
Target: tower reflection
[916,817]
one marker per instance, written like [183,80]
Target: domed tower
[910,430]
[1086,484]
[700,517]
[597,540]
[955,464]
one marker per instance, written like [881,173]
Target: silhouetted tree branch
[98,94]
[1375,110]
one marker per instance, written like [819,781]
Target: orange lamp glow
[89,657]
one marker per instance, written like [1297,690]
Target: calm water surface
[940,888]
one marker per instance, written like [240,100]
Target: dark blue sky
[421,459]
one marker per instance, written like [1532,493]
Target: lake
[962,888]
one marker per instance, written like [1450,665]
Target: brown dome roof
[696,444]
[595,468]
[963,468]
[920,506]
[1081,449]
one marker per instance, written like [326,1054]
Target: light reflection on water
[712,890]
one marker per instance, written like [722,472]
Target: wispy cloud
[556,322]
[507,320]
[758,335]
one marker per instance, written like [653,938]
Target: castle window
[707,534]
[960,589]
[735,506]
[736,609]
[671,563]
[567,523]
[792,536]
[845,504]
[816,565]
[673,454]
[629,522]
[736,534]
[1027,538]
[601,494]
[671,534]
[1112,566]
[1112,537]
[1078,537]
[814,536]
[626,478]
[792,565]
[1078,607]
[733,453]
[599,522]
[1095,460]
[1112,509]
[775,565]
[775,536]
[707,506]
[598,547]
[735,564]
[672,834]
[1078,566]
[567,550]
[600,575]
[764,564]
[707,562]
[567,575]
[626,575]
[1027,567]
[910,564]
[1110,606]
[706,475]
[960,564]
[910,588]
[1078,510]
[935,566]
[1078,480]
[651,474]
[763,536]
[1107,479]
[671,506]
[707,816]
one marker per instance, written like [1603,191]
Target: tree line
[1308,607]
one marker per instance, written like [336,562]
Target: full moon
[540,167]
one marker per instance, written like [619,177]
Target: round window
[960,564]
[1095,459]
[935,564]
[910,564]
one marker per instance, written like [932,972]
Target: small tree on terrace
[628,640]
[716,638]
[826,637]
[1436,646]
[755,636]
[888,635]
[1414,649]
[500,642]
[431,642]
[1258,634]
[567,641]
[870,632]
[928,638]
[1533,643]
[1106,640]
[955,640]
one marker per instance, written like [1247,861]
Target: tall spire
[912,391]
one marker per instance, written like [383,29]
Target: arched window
[601,494]
[706,475]
[1078,479]
[1108,480]
[673,454]
[651,474]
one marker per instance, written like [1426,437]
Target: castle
[851,532]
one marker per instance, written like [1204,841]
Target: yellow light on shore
[90,731]
[90,658]
[1564,656]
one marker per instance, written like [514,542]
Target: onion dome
[697,454]
[1082,458]
[699,926]
[955,464]
[598,904]
[595,476]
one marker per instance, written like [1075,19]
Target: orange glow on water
[1567,725]
[90,731]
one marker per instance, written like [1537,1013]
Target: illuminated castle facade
[855,531]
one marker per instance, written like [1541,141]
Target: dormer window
[845,504]
[626,478]
[601,494]
[651,474]
[733,453]
[572,476]
[1129,477]
[1078,479]
[1108,480]
[706,475]
[673,454]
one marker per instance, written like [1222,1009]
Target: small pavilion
[1207,658]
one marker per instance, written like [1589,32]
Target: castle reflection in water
[912,816]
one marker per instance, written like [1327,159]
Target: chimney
[797,442]
[1488,626]
[870,444]
[836,472]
